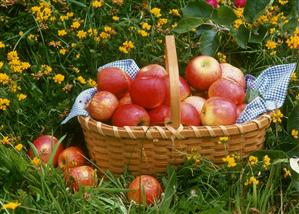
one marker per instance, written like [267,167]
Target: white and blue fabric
[271,85]
[78,108]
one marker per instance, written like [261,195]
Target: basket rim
[168,132]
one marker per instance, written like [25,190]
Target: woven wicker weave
[148,150]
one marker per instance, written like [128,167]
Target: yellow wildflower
[4,103]
[231,162]
[162,21]
[271,44]
[1,64]
[174,12]
[77,56]
[252,160]
[63,18]
[156,11]
[58,78]
[238,23]
[4,78]
[91,82]
[126,47]
[46,69]
[251,180]
[69,14]
[107,29]
[19,147]
[61,32]
[55,44]
[104,35]
[81,34]
[146,26]
[223,140]
[286,173]
[42,12]
[283,2]
[221,57]
[92,32]
[97,4]
[35,161]
[81,80]
[239,12]
[294,76]
[12,55]
[75,25]
[21,96]
[266,161]
[294,133]
[2,45]
[5,140]
[21,33]
[297,97]
[143,33]
[272,30]
[119,2]
[115,18]
[11,205]
[32,37]
[276,116]
[62,51]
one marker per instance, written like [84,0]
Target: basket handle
[172,68]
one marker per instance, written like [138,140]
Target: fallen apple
[232,73]
[160,115]
[218,111]
[71,157]
[114,80]
[44,146]
[130,115]
[102,105]
[145,189]
[202,71]
[152,70]
[189,115]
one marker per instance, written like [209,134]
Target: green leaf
[188,23]
[170,189]
[293,119]
[273,154]
[209,42]
[241,36]
[224,16]
[257,36]
[254,8]
[198,9]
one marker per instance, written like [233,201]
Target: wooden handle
[173,71]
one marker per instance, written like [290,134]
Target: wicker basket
[148,150]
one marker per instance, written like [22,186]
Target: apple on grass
[145,189]
[130,115]
[114,80]
[218,111]
[102,105]
[151,70]
[202,71]
[148,91]
[71,157]
[232,73]
[45,145]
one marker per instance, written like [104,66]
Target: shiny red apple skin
[114,80]
[240,3]
[218,111]
[159,115]
[44,145]
[233,73]
[126,99]
[148,91]
[145,189]
[130,115]
[71,157]
[189,115]
[80,176]
[196,101]
[202,71]
[240,108]
[102,105]
[152,70]
[227,89]
[184,88]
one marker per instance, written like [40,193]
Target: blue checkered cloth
[271,86]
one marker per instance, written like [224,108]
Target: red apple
[144,189]
[71,157]
[240,108]
[240,3]
[130,115]
[114,80]
[202,71]
[126,99]
[80,176]
[213,3]
[184,88]
[218,111]
[44,145]
[196,101]
[159,115]
[189,115]
[148,91]
[152,70]
[102,105]
[228,89]
[232,73]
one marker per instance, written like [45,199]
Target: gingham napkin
[270,88]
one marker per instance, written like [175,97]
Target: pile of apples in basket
[210,93]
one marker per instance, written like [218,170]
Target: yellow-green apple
[160,115]
[71,157]
[184,88]
[151,70]
[148,91]
[196,101]
[130,115]
[102,105]
[114,80]
[80,176]
[202,71]
[228,89]
[126,99]
[144,189]
[44,145]
[189,115]
[218,111]
[232,73]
